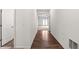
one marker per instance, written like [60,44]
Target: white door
[7,25]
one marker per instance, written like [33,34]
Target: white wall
[52,21]
[26,27]
[0,27]
[65,25]
[0,17]
[7,25]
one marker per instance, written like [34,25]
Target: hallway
[45,40]
[29,28]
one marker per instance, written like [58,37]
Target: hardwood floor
[45,40]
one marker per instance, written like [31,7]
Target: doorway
[43,19]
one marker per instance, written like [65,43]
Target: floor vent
[72,44]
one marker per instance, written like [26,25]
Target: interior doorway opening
[43,19]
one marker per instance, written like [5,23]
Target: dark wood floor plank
[45,40]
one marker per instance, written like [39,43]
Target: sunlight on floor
[45,35]
[43,27]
